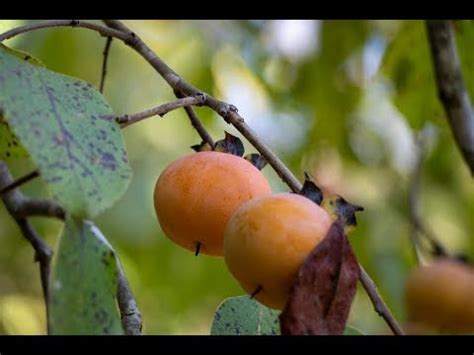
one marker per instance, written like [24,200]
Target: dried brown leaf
[231,145]
[324,289]
[311,190]
[256,160]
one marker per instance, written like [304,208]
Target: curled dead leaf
[230,144]
[322,294]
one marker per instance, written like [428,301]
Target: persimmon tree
[68,129]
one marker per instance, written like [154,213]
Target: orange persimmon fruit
[441,295]
[195,196]
[267,240]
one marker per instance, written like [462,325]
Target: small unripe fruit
[267,240]
[441,295]
[196,195]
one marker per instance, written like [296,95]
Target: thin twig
[451,89]
[129,312]
[20,207]
[196,123]
[168,74]
[414,203]
[228,112]
[276,163]
[418,226]
[43,253]
[118,30]
[127,120]
[104,63]
[378,302]
[106,31]
[19,181]
[230,115]
[30,207]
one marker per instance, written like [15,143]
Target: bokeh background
[343,100]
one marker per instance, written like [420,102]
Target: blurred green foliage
[346,110]
[407,65]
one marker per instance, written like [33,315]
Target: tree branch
[451,89]
[156,62]
[230,115]
[226,111]
[19,182]
[20,207]
[127,120]
[418,227]
[118,30]
[129,312]
[39,207]
[378,302]
[104,63]
[196,122]
[43,254]
[414,203]
[276,163]
[105,31]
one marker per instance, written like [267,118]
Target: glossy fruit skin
[267,240]
[441,295]
[196,195]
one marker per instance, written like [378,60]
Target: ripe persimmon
[196,195]
[267,240]
[441,295]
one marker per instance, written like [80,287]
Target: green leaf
[244,316]
[408,64]
[22,55]
[351,330]
[10,146]
[69,130]
[83,283]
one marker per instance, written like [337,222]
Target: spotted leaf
[244,316]
[10,146]
[83,283]
[69,130]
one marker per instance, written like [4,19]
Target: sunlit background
[342,100]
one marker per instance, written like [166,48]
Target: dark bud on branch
[311,190]
[231,145]
[256,160]
[202,147]
[344,210]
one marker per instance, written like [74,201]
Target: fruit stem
[198,248]
[256,292]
